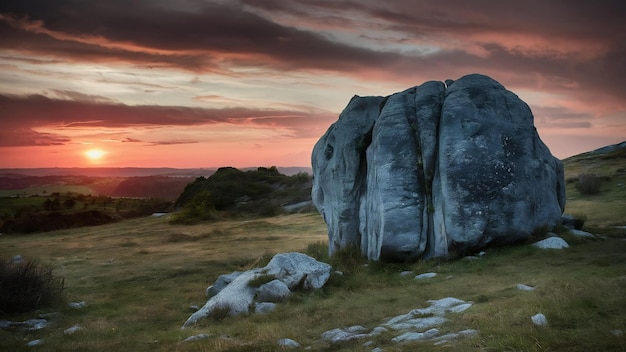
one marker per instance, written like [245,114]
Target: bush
[588,183]
[26,286]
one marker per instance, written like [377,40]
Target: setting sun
[94,154]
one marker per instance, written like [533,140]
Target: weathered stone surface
[434,169]
[221,282]
[539,320]
[288,343]
[291,271]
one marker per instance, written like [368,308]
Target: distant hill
[130,171]
[264,191]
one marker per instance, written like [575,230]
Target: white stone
[539,320]
[406,273]
[273,291]
[581,233]
[77,305]
[196,337]
[34,343]
[425,276]
[551,243]
[525,287]
[288,343]
[72,330]
[416,336]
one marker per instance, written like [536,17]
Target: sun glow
[95,154]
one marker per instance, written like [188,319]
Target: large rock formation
[437,168]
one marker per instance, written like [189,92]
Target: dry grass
[139,295]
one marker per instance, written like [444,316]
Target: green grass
[140,276]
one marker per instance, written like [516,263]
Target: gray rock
[292,270]
[77,305]
[298,270]
[264,307]
[572,222]
[539,320]
[196,337]
[433,170]
[34,324]
[17,259]
[221,282]
[34,343]
[273,291]
[406,273]
[525,287]
[288,343]
[416,336]
[347,334]
[73,329]
[451,336]
[425,276]
[552,243]
[581,233]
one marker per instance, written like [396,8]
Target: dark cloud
[23,113]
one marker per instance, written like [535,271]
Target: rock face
[435,169]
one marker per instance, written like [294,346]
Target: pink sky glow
[193,83]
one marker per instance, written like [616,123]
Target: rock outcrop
[437,168]
[238,293]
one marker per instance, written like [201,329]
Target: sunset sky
[193,83]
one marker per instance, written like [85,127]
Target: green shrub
[26,286]
[588,183]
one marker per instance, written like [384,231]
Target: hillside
[608,206]
[264,191]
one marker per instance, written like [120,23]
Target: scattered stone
[34,324]
[73,329]
[482,253]
[291,271]
[17,259]
[617,332]
[347,334]
[416,336]
[539,320]
[406,273]
[196,337]
[581,233]
[34,343]
[425,276]
[264,307]
[525,287]
[288,343]
[338,272]
[194,308]
[77,305]
[552,243]
[447,337]
[377,349]
[417,323]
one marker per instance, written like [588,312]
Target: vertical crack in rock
[434,169]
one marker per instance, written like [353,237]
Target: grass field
[140,276]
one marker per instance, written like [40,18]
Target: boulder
[221,282]
[437,168]
[291,271]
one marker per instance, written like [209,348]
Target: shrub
[26,286]
[588,183]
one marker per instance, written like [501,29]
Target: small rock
[539,320]
[18,259]
[196,337]
[264,307]
[288,343]
[35,324]
[551,243]
[377,349]
[5,324]
[581,233]
[406,273]
[193,307]
[482,253]
[416,336]
[525,287]
[339,272]
[425,276]
[34,343]
[78,305]
[72,329]
[617,332]
[274,291]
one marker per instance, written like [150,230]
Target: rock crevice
[434,169]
